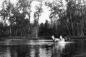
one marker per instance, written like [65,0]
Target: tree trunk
[82,27]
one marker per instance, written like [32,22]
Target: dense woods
[68,21]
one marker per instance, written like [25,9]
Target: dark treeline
[47,30]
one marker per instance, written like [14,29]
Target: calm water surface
[42,48]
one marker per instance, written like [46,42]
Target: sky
[46,10]
[44,15]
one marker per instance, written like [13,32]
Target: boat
[57,39]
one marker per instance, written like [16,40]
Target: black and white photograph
[42,28]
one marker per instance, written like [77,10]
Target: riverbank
[40,38]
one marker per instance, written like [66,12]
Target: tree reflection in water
[45,49]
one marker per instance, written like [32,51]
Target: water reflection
[38,49]
[44,53]
[32,52]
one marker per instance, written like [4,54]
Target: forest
[69,20]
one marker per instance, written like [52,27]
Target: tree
[71,19]
[18,24]
[36,19]
[76,15]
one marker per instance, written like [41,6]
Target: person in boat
[61,38]
[57,39]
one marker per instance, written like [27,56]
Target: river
[42,48]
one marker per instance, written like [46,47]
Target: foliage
[66,22]
[71,22]
[18,24]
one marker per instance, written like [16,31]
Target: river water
[42,48]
